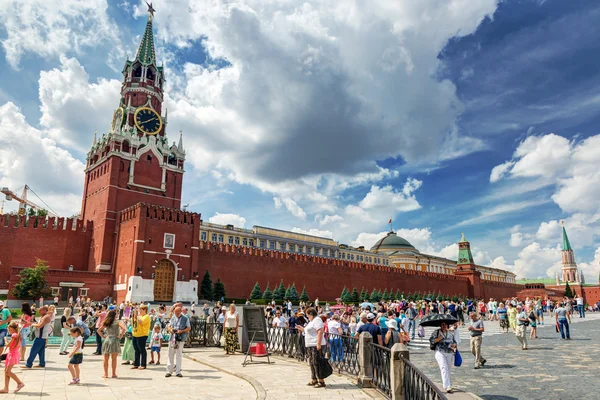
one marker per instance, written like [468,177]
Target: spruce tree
[279,293]
[294,296]
[355,296]
[256,293]
[568,292]
[344,294]
[268,295]
[373,297]
[304,295]
[385,296]
[219,290]
[287,292]
[347,299]
[206,287]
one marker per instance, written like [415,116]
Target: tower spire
[180,145]
[145,53]
[566,245]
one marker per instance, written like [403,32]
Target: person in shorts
[76,355]
[155,343]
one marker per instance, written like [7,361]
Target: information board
[255,325]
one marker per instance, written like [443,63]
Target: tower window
[150,74]
[137,71]
[149,157]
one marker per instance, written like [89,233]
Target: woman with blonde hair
[314,340]
[231,323]
[65,329]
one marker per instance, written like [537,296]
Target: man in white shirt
[279,321]
[580,308]
[317,303]
[55,301]
[363,320]
[289,308]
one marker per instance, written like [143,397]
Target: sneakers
[477,367]
[75,381]
[168,375]
[179,375]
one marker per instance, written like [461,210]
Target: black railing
[343,353]
[380,359]
[204,333]
[417,386]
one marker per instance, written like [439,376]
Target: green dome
[392,242]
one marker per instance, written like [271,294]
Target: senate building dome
[393,243]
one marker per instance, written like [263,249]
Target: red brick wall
[324,278]
[60,246]
[591,294]
[498,290]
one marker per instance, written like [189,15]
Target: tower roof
[464,252]
[565,240]
[145,53]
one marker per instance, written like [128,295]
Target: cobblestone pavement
[284,379]
[198,382]
[552,369]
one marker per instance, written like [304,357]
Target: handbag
[557,328]
[325,367]
[457,359]
[222,341]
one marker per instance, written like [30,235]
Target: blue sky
[449,116]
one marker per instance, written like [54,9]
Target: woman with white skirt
[445,347]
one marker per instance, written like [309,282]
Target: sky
[447,116]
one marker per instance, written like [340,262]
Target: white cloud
[314,232]
[228,219]
[291,206]
[496,211]
[388,198]
[591,270]
[533,261]
[28,157]
[50,28]
[499,171]
[72,108]
[330,219]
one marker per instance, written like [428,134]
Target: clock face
[147,120]
[117,121]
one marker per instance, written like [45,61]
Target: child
[13,357]
[156,343]
[76,355]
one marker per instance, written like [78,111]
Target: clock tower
[133,162]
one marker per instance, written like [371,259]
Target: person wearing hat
[372,328]
[521,331]
[392,336]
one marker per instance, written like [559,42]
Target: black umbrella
[437,319]
[427,299]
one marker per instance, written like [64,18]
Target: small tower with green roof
[465,257]
[569,266]
[465,266]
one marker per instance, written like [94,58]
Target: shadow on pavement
[499,366]
[496,397]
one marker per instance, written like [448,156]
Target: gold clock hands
[151,119]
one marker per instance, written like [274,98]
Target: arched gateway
[164,280]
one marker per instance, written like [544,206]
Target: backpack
[91,322]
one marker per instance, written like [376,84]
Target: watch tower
[132,162]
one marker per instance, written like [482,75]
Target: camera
[178,337]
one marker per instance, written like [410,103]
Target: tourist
[12,358]
[512,317]
[502,318]
[314,340]
[533,323]
[563,319]
[392,336]
[521,331]
[334,328]
[38,348]
[230,329]
[112,331]
[363,320]
[65,329]
[539,310]
[101,316]
[55,301]
[179,326]
[85,331]
[580,307]
[372,328]
[128,354]
[76,356]
[444,344]
[141,329]
[41,302]
[26,319]
[5,319]
[288,304]
[353,326]
[279,321]
[155,344]
[411,313]
[476,329]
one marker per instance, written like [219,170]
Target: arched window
[150,74]
[172,159]
[137,71]
[125,146]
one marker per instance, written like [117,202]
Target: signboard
[255,324]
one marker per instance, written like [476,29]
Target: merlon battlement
[151,211]
[49,223]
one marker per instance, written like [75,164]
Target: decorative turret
[465,266]
[145,53]
[569,267]
[464,252]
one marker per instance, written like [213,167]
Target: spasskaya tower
[133,162]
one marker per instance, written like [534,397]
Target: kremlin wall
[134,243]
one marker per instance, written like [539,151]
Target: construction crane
[24,203]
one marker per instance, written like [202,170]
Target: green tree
[256,292]
[206,287]
[219,290]
[294,296]
[410,296]
[279,293]
[375,296]
[347,297]
[268,295]
[344,294]
[439,296]
[355,296]
[568,291]
[385,296]
[287,292]
[304,295]
[364,295]
[32,283]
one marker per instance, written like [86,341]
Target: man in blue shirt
[372,328]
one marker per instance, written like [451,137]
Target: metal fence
[417,386]
[204,333]
[381,358]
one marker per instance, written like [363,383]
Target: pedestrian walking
[512,317]
[521,331]
[476,330]
[112,331]
[411,313]
[580,306]
[26,319]
[13,357]
[128,354]
[65,329]
[563,319]
[101,316]
[76,356]
[503,318]
[179,326]
[38,348]
[314,339]
[442,341]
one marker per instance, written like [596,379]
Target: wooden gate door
[164,281]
